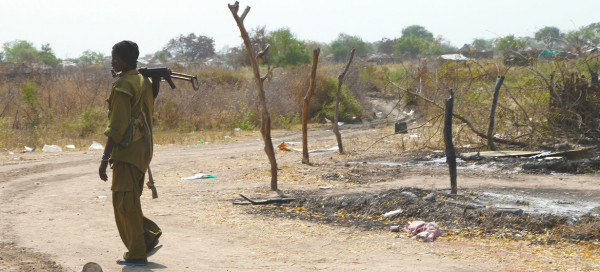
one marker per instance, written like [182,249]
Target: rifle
[157,75]
[163,73]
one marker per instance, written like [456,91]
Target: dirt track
[56,209]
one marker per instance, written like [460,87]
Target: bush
[90,121]
[325,92]
[285,122]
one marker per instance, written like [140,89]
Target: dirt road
[54,208]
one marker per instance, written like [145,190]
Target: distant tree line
[286,49]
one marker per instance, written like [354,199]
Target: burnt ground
[537,216]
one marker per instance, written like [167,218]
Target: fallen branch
[282,200]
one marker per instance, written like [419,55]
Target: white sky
[73,26]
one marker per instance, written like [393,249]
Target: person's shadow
[149,267]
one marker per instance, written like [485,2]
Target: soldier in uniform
[129,151]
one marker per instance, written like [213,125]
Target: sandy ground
[54,208]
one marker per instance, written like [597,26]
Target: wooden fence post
[490,132]
[450,152]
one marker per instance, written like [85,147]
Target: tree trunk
[450,152]
[265,128]
[336,129]
[311,89]
[490,133]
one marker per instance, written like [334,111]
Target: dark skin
[118,65]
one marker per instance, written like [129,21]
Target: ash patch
[13,258]
[455,214]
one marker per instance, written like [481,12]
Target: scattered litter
[454,57]
[335,148]
[395,228]
[340,123]
[102,196]
[429,197]
[248,134]
[500,136]
[237,129]
[70,146]
[29,149]
[327,120]
[421,230]
[227,137]
[284,147]
[51,148]
[200,142]
[414,136]
[96,146]
[409,194]
[198,176]
[11,153]
[325,187]
[392,213]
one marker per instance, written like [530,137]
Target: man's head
[124,56]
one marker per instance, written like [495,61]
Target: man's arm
[105,156]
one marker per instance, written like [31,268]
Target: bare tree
[311,89]
[265,128]
[336,129]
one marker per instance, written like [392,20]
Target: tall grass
[68,105]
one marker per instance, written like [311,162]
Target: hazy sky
[73,26]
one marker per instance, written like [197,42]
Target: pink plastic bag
[421,230]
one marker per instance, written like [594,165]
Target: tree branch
[462,119]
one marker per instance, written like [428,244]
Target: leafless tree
[336,129]
[311,89]
[265,128]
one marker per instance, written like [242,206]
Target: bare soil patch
[56,208]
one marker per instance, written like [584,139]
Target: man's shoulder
[128,83]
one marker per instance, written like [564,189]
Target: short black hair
[128,51]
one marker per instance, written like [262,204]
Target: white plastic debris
[70,146]
[409,194]
[51,148]
[199,176]
[96,146]
[237,129]
[29,149]
[392,213]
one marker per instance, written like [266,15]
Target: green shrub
[349,107]
[281,121]
[90,121]
[244,119]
